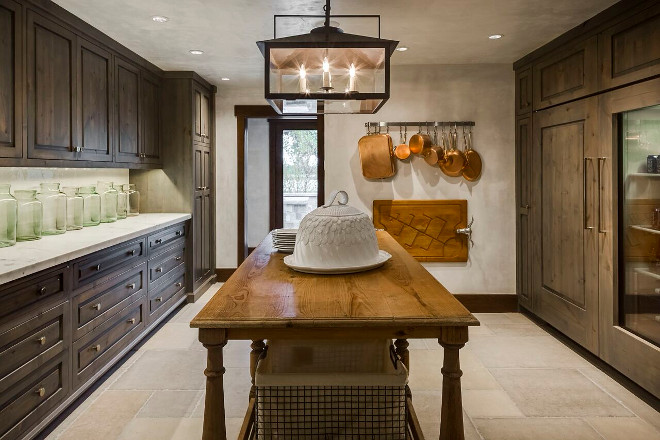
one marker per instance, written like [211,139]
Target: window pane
[299,176]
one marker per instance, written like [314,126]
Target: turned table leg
[214,403]
[451,413]
[258,348]
[401,346]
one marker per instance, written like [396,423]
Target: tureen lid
[341,209]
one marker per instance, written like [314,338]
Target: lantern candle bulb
[303,79]
[327,79]
[352,86]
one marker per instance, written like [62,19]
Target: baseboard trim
[224,273]
[489,303]
[201,289]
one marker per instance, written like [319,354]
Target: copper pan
[419,142]
[455,162]
[435,153]
[402,151]
[376,156]
[473,165]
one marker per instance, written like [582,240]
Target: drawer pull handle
[178,258]
[42,291]
[97,306]
[41,340]
[41,392]
[159,269]
[131,321]
[159,241]
[98,267]
[178,232]
[97,347]
[159,299]
[132,252]
[178,284]
[130,286]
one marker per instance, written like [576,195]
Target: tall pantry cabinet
[587,116]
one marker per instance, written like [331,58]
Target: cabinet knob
[132,252]
[159,299]
[177,233]
[42,290]
[130,286]
[131,321]
[98,267]
[97,306]
[178,285]
[96,347]
[159,241]
[200,188]
[41,340]
[178,258]
[41,392]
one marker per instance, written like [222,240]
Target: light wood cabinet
[11,79]
[51,75]
[565,238]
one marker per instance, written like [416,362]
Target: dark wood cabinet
[524,168]
[51,78]
[524,91]
[150,117]
[202,115]
[11,79]
[202,216]
[127,116]
[95,102]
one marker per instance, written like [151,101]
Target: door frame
[243,113]
[276,165]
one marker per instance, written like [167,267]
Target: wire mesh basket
[323,404]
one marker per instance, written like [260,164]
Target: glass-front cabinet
[639,225]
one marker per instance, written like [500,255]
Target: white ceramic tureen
[336,238]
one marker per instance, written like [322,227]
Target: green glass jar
[108,202]
[122,201]
[91,205]
[133,199]
[74,208]
[29,215]
[8,208]
[54,206]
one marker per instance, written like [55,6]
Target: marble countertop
[28,257]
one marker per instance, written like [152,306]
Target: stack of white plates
[284,240]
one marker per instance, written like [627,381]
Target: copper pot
[435,153]
[455,160]
[473,165]
[402,151]
[419,142]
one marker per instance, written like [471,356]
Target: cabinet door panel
[10,80]
[206,122]
[565,280]
[94,94]
[567,74]
[630,51]
[150,112]
[127,118]
[51,61]
[524,91]
[198,115]
[523,176]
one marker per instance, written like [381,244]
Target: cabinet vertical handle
[601,160]
[586,192]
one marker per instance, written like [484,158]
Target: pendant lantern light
[327,71]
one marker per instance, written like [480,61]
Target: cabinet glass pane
[639,227]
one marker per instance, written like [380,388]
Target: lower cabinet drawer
[165,262]
[96,305]
[30,400]
[166,292]
[40,288]
[106,262]
[93,351]
[24,346]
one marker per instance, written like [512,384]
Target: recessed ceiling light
[402,49]
[159,18]
[495,36]
[196,51]
[224,78]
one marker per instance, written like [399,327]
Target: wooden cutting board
[425,228]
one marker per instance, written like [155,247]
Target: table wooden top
[265,293]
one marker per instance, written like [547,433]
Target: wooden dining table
[264,299]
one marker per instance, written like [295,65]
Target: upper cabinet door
[564,219]
[10,80]
[630,51]
[95,102]
[203,115]
[51,107]
[150,112]
[524,91]
[198,130]
[206,118]
[127,116]
[566,74]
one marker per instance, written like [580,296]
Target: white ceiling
[436,31]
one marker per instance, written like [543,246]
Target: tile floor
[519,383]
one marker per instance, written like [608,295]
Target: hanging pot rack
[421,124]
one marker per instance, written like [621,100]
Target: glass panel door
[639,228]
[299,175]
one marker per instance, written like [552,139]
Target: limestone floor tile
[165,370]
[628,428]
[417,344]
[479,330]
[162,429]
[496,318]
[431,430]
[170,403]
[425,366]
[517,330]
[536,429]
[107,416]
[172,336]
[524,352]
[557,393]
[475,375]
[623,395]
[427,405]
[489,403]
